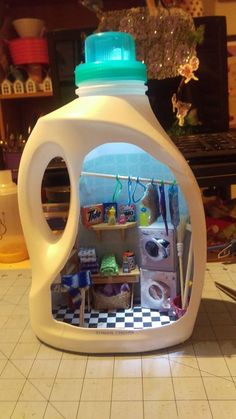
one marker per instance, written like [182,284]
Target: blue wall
[118,159]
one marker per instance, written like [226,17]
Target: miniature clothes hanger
[124,177]
[118,189]
[129,190]
[143,190]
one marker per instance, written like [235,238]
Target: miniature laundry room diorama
[135,229]
[134,233]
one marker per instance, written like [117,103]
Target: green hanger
[118,189]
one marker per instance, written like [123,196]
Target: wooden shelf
[20,111]
[131,277]
[99,228]
[26,95]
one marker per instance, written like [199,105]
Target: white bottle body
[72,132]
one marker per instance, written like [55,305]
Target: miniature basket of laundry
[111,296]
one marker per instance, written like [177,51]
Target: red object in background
[28,51]
[215,228]
[176,304]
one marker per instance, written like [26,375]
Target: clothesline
[122,177]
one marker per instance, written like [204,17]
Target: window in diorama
[134,245]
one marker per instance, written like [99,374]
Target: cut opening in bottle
[129,268]
[56,194]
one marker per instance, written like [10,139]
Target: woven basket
[102,302]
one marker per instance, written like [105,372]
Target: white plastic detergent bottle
[112,107]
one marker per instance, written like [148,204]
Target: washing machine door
[155,294]
[157,249]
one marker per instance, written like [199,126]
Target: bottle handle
[47,251]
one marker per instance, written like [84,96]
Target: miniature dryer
[157,289]
[157,249]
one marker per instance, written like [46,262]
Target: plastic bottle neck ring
[124,87]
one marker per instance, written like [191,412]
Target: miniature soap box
[92,214]
[129,212]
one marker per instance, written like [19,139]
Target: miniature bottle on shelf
[122,219]
[125,266]
[112,216]
[112,107]
[143,217]
[12,243]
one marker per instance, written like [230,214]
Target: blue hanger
[129,190]
[144,190]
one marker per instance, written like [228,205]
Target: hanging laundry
[73,283]
[163,205]
[151,201]
[174,204]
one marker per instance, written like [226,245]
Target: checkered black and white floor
[136,318]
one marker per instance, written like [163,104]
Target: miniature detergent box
[129,211]
[92,214]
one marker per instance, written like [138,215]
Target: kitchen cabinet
[18,115]
[19,112]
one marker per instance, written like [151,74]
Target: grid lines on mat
[196,378]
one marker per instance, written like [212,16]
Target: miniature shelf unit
[99,228]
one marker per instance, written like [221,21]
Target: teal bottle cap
[110,56]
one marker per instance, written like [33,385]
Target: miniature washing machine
[157,249]
[158,288]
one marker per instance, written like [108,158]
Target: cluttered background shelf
[26,95]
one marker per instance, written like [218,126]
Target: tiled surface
[137,318]
[196,379]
